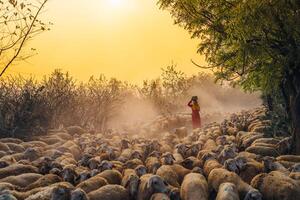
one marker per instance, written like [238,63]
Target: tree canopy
[253,43]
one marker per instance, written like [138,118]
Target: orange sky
[127,39]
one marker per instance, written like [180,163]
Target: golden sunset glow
[127,39]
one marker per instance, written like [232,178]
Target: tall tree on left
[19,23]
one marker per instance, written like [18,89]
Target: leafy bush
[30,107]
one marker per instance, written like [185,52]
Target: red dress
[195,114]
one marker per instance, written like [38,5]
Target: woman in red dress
[193,104]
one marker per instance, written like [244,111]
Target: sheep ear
[165,182]
[127,183]
[149,183]
[173,157]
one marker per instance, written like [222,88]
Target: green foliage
[252,43]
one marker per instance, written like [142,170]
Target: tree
[254,43]
[19,23]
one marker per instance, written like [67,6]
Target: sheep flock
[235,159]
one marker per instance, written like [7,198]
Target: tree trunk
[295,118]
[294,96]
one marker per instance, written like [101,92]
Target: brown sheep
[149,185]
[180,171]
[276,186]
[140,170]
[210,163]
[194,187]
[41,192]
[92,184]
[270,164]
[152,164]
[109,192]
[289,158]
[79,194]
[168,175]
[10,140]
[15,147]
[210,145]
[167,159]
[131,182]
[133,163]
[227,191]
[159,196]
[219,176]
[112,176]
[264,151]
[58,192]
[248,168]
[44,181]
[191,162]
[17,169]
[22,180]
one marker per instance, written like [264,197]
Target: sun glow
[115,3]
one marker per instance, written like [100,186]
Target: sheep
[140,170]
[44,181]
[191,162]
[180,171]
[271,165]
[69,174]
[289,158]
[152,164]
[5,195]
[92,184]
[167,159]
[133,163]
[131,182]
[226,153]
[112,176]
[159,196]
[219,176]
[168,175]
[15,147]
[22,180]
[8,186]
[17,169]
[30,154]
[125,155]
[52,193]
[227,191]
[277,186]
[78,194]
[149,185]
[178,158]
[247,169]
[43,191]
[264,151]
[109,192]
[210,163]
[194,187]
[2,153]
[210,145]
[10,140]
[182,149]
